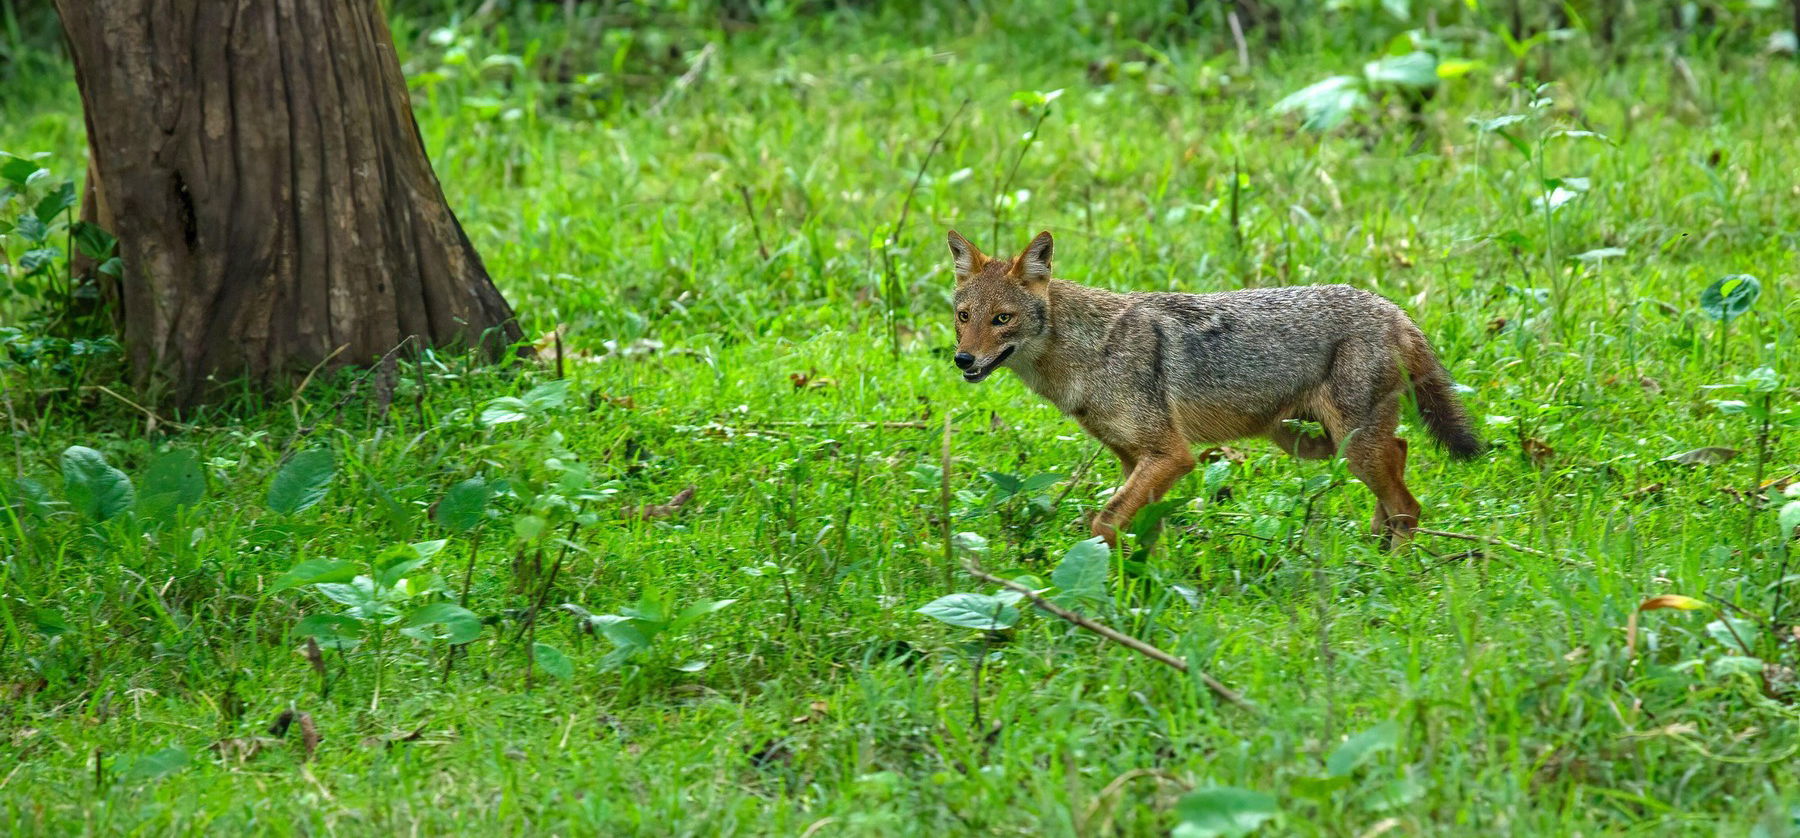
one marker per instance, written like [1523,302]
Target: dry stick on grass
[1126,640]
[1488,539]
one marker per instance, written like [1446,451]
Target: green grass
[826,702]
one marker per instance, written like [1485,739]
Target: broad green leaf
[55,203]
[302,482]
[1730,296]
[152,767]
[1040,482]
[172,481]
[1324,104]
[97,490]
[29,228]
[1736,665]
[1359,749]
[622,631]
[1790,518]
[1223,811]
[442,621]
[360,594]
[92,240]
[976,611]
[552,660]
[332,631]
[1394,794]
[694,612]
[315,571]
[1728,631]
[464,506]
[1082,573]
[547,396]
[1417,71]
[503,410]
[1008,483]
[18,171]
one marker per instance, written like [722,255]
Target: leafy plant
[1727,299]
[393,592]
[1223,811]
[96,489]
[1078,583]
[1409,70]
[635,630]
[302,482]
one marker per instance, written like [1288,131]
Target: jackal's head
[1002,305]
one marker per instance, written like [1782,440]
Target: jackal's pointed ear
[1033,265]
[969,260]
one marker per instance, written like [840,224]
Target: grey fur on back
[1232,361]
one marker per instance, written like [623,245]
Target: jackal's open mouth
[987,369]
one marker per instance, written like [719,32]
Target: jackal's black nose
[964,360]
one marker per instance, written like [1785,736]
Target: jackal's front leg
[1155,472]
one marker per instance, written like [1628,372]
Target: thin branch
[304,431]
[1497,542]
[1074,479]
[755,227]
[1126,640]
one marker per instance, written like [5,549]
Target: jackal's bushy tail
[1439,407]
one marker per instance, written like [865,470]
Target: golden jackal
[1151,374]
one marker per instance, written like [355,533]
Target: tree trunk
[259,162]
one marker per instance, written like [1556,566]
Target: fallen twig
[1126,640]
[1488,539]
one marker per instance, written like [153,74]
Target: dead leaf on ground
[279,727]
[1645,490]
[1711,455]
[1538,451]
[1655,603]
[1684,603]
[995,423]
[315,657]
[309,737]
[1650,385]
[664,510]
[1496,325]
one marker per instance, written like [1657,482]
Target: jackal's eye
[962,317]
[1002,319]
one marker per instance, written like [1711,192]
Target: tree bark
[260,164]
